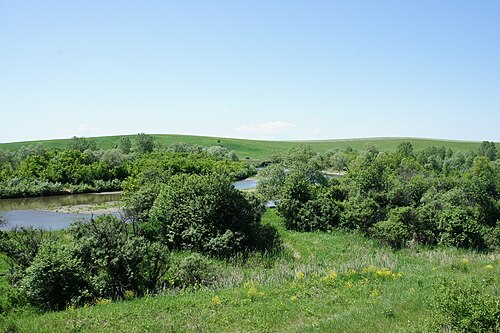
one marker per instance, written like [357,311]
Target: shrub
[21,245]
[296,192]
[10,297]
[193,271]
[458,227]
[206,214]
[396,230]
[117,258]
[465,307]
[56,278]
[361,213]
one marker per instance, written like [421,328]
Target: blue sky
[250,69]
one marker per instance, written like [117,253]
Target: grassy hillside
[256,149]
[323,282]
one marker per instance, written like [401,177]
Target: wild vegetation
[254,150]
[359,241]
[403,198]
[82,167]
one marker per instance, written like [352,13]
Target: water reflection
[246,184]
[41,219]
[58,200]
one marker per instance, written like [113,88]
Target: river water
[42,211]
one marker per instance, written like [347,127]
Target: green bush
[458,227]
[206,214]
[396,231]
[21,245]
[56,278]
[117,258]
[297,191]
[361,213]
[193,271]
[460,306]
[10,297]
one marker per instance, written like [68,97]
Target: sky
[283,70]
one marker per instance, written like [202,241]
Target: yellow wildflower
[330,276]
[489,266]
[129,294]
[369,269]
[216,300]
[384,272]
[294,298]
[102,301]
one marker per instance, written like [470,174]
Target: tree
[396,230]
[405,149]
[488,149]
[118,258]
[297,191]
[21,245]
[300,159]
[113,157]
[56,278]
[144,143]
[207,214]
[81,144]
[125,145]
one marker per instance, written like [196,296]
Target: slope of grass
[255,149]
[322,282]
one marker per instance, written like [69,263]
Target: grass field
[322,282]
[260,150]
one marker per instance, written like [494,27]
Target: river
[54,212]
[51,212]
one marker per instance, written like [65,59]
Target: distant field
[255,149]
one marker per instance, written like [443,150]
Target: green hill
[258,149]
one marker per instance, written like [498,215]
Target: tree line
[404,198]
[82,167]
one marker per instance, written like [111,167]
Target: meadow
[321,282]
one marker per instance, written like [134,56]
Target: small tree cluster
[207,214]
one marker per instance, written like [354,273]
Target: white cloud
[267,130]
[82,130]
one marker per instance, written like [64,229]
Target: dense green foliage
[431,197]
[328,282]
[261,150]
[466,306]
[175,200]
[118,258]
[81,167]
[56,278]
[207,214]
[180,200]
[20,247]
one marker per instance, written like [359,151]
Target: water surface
[39,211]
[57,201]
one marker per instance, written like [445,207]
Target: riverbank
[113,207]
